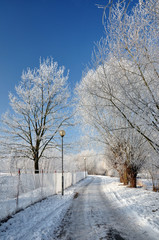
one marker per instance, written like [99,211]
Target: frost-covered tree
[88,160]
[127,67]
[127,153]
[40,108]
[124,77]
[122,84]
[107,8]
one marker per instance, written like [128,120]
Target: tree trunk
[36,164]
[121,175]
[155,188]
[133,181]
[125,175]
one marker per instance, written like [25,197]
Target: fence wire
[19,189]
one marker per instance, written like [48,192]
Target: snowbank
[137,203]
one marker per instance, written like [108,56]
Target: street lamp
[85,165]
[62,134]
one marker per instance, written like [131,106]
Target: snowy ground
[137,207]
[103,209]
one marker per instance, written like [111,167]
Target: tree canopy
[40,108]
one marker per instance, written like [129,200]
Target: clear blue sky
[30,29]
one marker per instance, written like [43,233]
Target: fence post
[42,181]
[55,180]
[18,185]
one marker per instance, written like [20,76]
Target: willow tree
[40,108]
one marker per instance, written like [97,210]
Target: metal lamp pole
[62,134]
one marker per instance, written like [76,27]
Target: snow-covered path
[93,216]
[102,210]
[88,217]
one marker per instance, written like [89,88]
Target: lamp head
[62,133]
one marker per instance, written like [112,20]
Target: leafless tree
[40,108]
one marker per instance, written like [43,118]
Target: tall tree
[133,46]
[122,84]
[40,108]
[124,77]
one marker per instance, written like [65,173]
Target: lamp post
[62,134]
